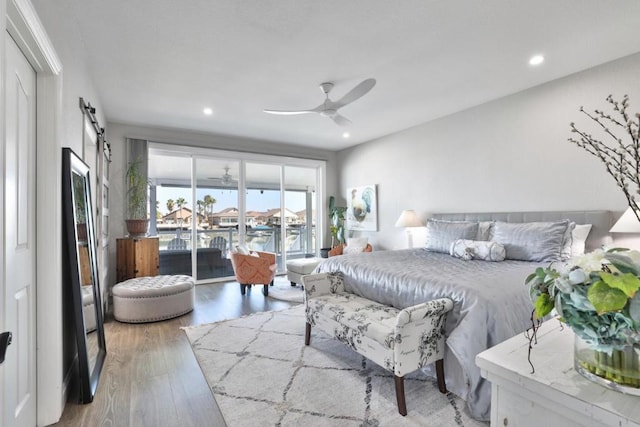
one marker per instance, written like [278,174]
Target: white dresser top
[555,377]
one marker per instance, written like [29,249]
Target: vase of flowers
[618,369]
[596,295]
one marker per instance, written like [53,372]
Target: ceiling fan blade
[341,120]
[288,113]
[291,113]
[355,93]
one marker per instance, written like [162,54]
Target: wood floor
[151,377]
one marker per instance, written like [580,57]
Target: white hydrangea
[589,262]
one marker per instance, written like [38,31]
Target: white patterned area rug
[283,290]
[262,374]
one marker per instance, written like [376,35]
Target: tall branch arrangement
[620,156]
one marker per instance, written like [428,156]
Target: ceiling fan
[226,179]
[330,108]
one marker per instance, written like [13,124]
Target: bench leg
[402,404]
[307,334]
[442,386]
[243,289]
[265,290]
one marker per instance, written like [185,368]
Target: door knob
[5,341]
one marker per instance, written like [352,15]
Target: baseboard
[67,381]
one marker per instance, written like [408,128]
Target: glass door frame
[195,153]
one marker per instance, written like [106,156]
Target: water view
[217,224]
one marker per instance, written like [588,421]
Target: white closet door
[19,310]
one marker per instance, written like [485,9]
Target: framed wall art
[362,208]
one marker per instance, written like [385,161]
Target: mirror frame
[88,376]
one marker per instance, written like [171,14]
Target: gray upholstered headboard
[601,221]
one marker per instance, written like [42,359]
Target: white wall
[511,154]
[76,72]
[54,324]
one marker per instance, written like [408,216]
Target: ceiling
[160,62]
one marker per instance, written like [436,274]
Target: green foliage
[336,215]
[137,185]
[543,305]
[605,298]
[627,282]
[596,296]
[79,197]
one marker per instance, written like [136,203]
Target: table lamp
[627,223]
[408,219]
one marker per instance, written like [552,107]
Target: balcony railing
[213,247]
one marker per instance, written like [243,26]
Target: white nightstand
[555,395]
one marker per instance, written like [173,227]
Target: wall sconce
[408,219]
[627,223]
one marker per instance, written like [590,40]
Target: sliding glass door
[170,176]
[300,199]
[262,208]
[209,201]
[216,188]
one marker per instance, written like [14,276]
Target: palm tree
[201,207]
[170,205]
[181,202]
[209,201]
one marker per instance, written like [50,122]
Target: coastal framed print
[362,208]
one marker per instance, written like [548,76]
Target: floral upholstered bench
[400,341]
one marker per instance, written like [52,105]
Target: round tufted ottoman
[149,299]
[296,268]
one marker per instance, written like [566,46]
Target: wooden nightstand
[137,257]
[556,394]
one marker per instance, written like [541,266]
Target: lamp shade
[408,218]
[628,223]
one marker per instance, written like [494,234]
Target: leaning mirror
[81,272]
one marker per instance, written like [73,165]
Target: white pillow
[355,245]
[579,234]
[243,250]
[567,242]
[485,230]
[477,249]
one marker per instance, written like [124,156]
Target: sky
[269,199]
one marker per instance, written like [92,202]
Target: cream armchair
[254,270]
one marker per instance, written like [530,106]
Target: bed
[491,300]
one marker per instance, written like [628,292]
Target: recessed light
[207,111]
[346,135]
[536,60]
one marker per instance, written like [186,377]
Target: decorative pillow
[485,230]
[531,241]
[567,241]
[579,234]
[477,249]
[243,250]
[355,245]
[440,233]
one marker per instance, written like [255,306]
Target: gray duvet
[491,304]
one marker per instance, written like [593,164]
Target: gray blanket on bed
[491,304]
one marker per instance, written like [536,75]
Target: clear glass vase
[619,370]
